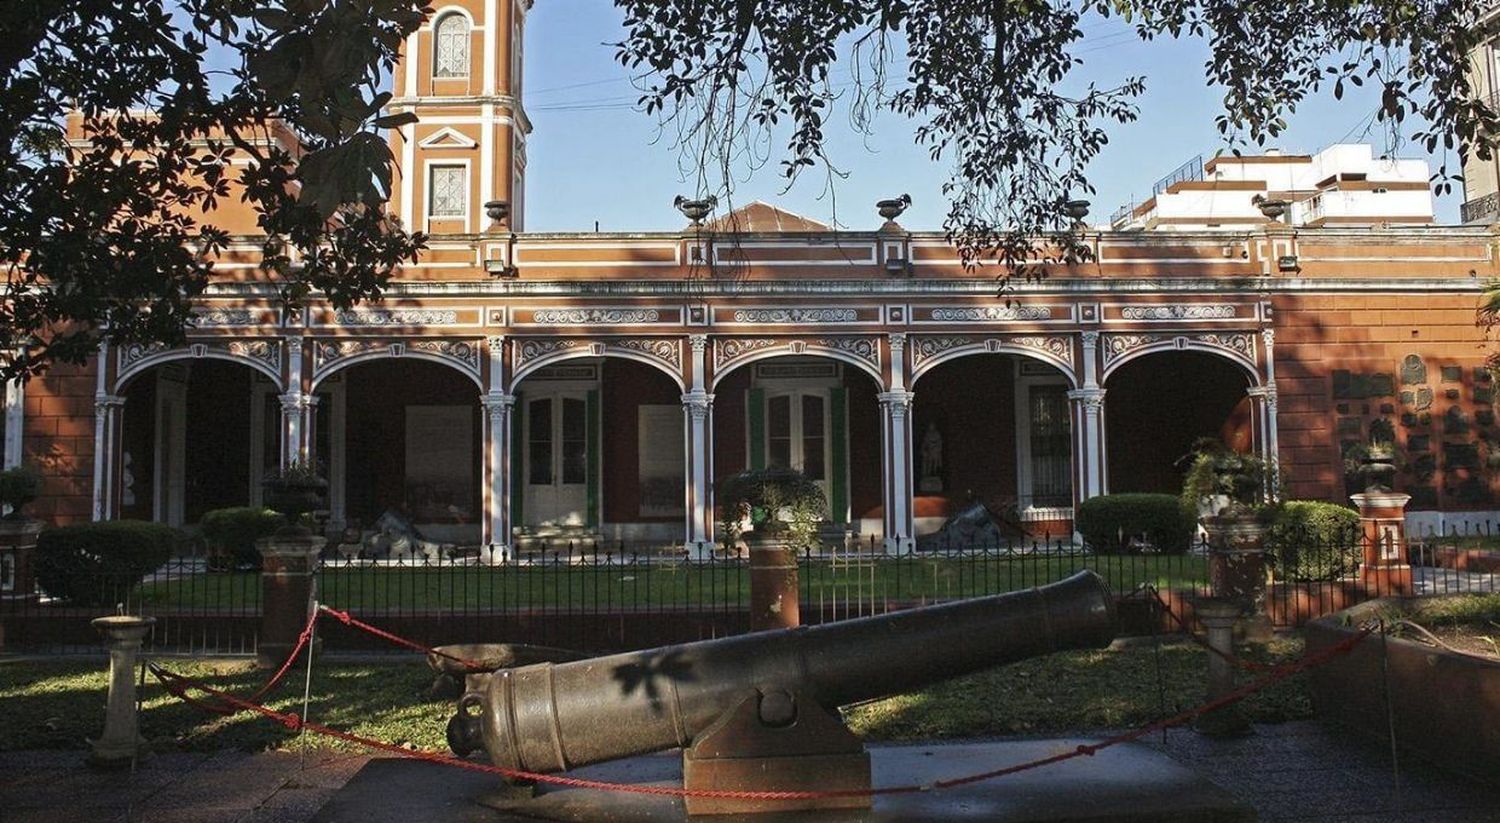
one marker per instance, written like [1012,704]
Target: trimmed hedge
[1119,523]
[230,535]
[1313,540]
[98,564]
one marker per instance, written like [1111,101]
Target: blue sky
[592,157]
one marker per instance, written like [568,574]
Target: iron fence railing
[595,597]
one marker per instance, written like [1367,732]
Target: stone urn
[1378,467]
[294,497]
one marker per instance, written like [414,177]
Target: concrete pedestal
[17,548]
[121,743]
[1130,782]
[288,566]
[1220,617]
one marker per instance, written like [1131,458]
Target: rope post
[121,743]
[288,565]
[1220,617]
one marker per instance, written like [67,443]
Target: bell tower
[461,74]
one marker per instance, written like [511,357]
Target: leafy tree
[111,234]
[983,79]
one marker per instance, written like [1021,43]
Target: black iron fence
[593,597]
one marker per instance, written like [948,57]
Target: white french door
[797,428]
[556,458]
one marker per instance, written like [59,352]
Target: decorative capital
[1092,400]
[1269,335]
[898,403]
[1266,393]
[295,402]
[495,342]
[699,342]
[104,403]
[1091,340]
[898,343]
[698,403]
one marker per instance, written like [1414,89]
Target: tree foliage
[110,235]
[985,81]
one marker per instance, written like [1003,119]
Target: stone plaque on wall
[1413,370]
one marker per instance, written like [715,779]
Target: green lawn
[57,704]
[478,588]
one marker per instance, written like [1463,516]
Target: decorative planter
[295,498]
[121,743]
[774,589]
[1444,706]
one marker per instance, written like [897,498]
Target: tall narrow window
[450,56]
[1051,459]
[449,191]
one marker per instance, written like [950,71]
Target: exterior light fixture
[501,270]
[696,210]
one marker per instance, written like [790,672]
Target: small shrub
[98,564]
[231,534]
[775,500]
[1311,540]
[1116,523]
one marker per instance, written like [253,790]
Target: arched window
[450,56]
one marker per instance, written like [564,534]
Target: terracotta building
[516,384]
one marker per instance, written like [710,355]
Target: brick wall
[59,440]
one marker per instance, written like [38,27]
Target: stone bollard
[121,742]
[774,591]
[1220,617]
[17,548]
[288,565]
[1382,521]
[1237,571]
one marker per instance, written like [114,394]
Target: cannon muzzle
[551,717]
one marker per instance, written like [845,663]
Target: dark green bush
[1312,540]
[19,486]
[98,564]
[1112,522]
[230,534]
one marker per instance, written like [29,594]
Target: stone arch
[664,355]
[1237,348]
[1053,351]
[264,356]
[735,353]
[333,356]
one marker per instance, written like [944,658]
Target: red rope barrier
[179,685]
[302,640]
[350,620]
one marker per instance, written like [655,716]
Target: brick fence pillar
[17,549]
[1237,570]
[288,566]
[1382,519]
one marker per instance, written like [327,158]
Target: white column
[1263,402]
[698,440]
[1090,407]
[15,422]
[497,526]
[296,409]
[106,451]
[895,406]
[1273,433]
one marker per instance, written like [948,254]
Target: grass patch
[57,704]
[595,585]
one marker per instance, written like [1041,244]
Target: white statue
[932,452]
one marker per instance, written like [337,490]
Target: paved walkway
[1292,771]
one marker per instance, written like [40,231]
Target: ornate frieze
[1059,346]
[1242,344]
[664,350]
[396,317]
[795,315]
[1180,311]
[927,348]
[595,317]
[225,318]
[728,350]
[1117,346]
[460,351]
[989,314]
[1056,347]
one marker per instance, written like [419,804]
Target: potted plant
[1218,473]
[784,508]
[295,491]
[1237,531]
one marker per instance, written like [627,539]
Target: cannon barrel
[551,717]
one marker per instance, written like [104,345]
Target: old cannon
[759,711]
